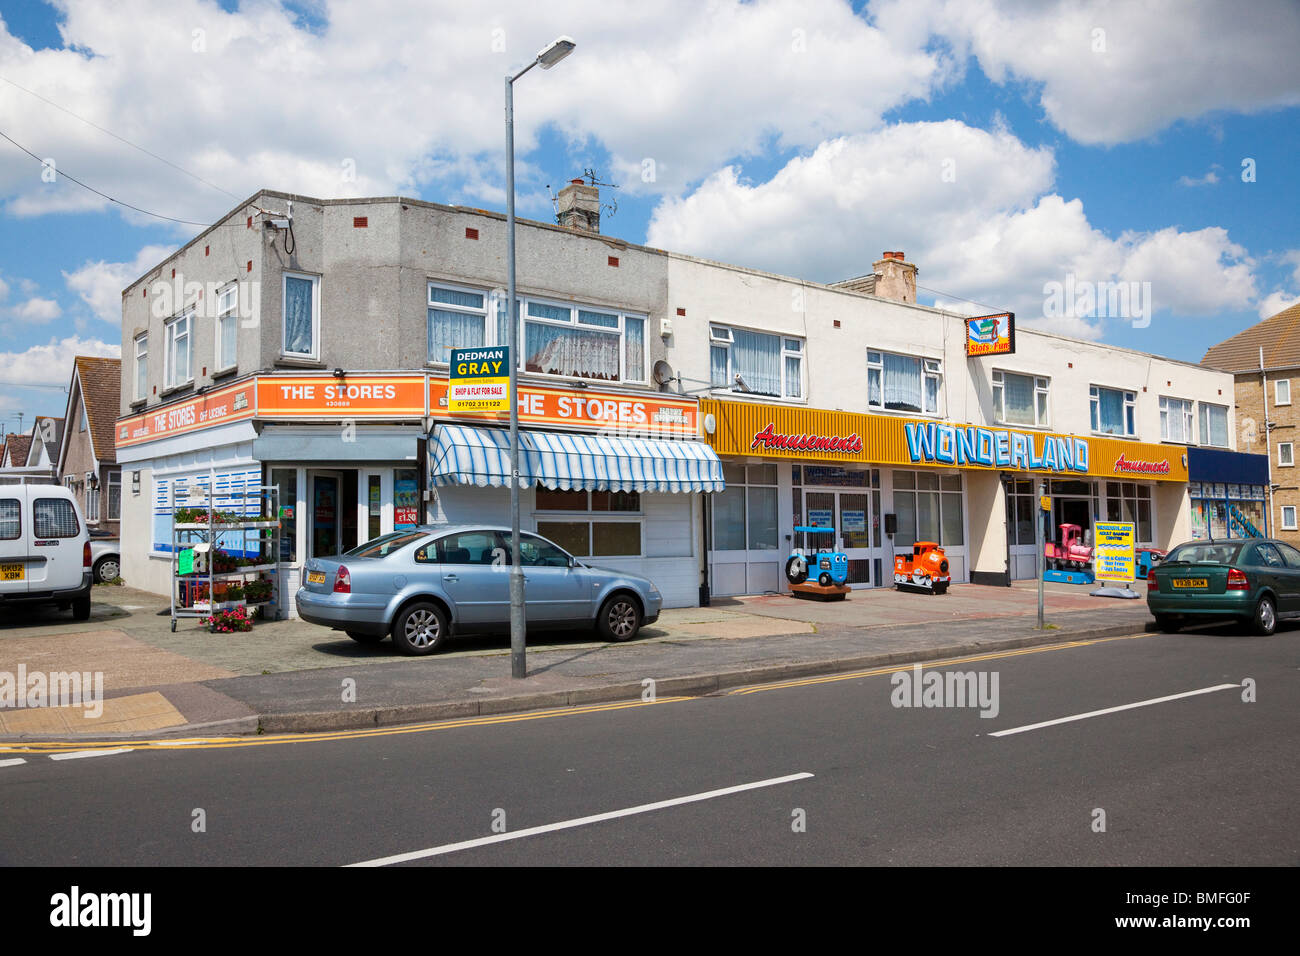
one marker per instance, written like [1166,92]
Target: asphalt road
[1206,779]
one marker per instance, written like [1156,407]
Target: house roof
[1279,335]
[17,446]
[40,431]
[101,386]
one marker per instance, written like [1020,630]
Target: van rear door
[56,538]
[15,539]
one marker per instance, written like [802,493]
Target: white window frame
[930,368]
[492,303]
[171,338]
[227,311]
[114,479]
[792,346]
[1042,389]
[1170,406]
[575,322]
[1094,404]
[1203,421]
[1288,525]
[314,355]
[142,365]
[1289,457]
[92,503]
[1277,391]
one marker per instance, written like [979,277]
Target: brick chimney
[579,207]
[895,278]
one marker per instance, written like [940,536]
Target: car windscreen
[1202,553]
[385,545]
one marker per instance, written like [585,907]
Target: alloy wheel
[622,619]
[422,628]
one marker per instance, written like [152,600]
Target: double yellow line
[217,743]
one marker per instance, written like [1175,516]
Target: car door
[56,538]
[1292,558]
[15,539]
[476,576]
[1272,573]
[555,590]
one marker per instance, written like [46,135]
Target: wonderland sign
[935,443]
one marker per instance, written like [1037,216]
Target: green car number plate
[1191,583]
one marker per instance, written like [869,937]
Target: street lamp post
[548,57]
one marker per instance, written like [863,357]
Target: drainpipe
[1268,437]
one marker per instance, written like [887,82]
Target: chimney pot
[895,277]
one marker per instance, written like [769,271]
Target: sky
[1040,156]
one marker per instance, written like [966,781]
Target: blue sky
[1004,146]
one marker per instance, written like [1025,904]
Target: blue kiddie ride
[829,566]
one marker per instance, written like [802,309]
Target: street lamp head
[555,52]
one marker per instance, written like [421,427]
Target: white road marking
[579,822]
[77,754]
[12,763]
[1112,710]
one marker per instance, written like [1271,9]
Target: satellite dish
[663,373]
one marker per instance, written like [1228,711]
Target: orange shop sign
[584,408]
[230,404]
[351,396]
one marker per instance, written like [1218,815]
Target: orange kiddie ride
[925,568]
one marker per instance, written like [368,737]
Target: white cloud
[51,364]
[270,101]
[1209,179]
[100,283]
[37,311]
[1275,302]
[995,233]
[1152,63]
[4,290]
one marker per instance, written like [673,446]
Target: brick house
[87,461]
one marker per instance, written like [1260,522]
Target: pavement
[289,676]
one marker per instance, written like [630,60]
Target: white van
[44,549]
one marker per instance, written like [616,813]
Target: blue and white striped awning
[462,455]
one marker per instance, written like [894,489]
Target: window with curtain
[227,326]
[583,342]
[766,364]
[457,320]
[1214,425]
[177,354]
[301,320]
[1019,399]
[903,383]
[1175,419]
[1114,411]
[141,367]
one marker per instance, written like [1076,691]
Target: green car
[1256,581]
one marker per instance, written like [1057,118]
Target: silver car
[425,584]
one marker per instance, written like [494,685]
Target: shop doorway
[333,526]
[1071,511]
[849,513]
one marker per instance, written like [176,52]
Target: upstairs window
[1114,411]
[457,320]
[904,383]
[176,357]
[1020,399]
[227,327]
[757,363]
[1282,391]
[141,367]
[1175,420]
[301,316]
[1214,425]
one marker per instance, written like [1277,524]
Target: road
[1205,779]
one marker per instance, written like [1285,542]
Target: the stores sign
[934,443]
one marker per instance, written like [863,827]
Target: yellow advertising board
[1113,556]
[752,429]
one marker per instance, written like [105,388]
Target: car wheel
[366,638]
[796,570]
[825,580]
[106,569]
[81,609]
[420,629]
[1265,620]
[619,618]
[1169,625]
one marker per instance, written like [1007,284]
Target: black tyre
[619,618]
[1265,619]
[81,609]
[107,568]
[941,587]
[366,638]
[824,579]
[1169,625]
[420,629]
[796,571]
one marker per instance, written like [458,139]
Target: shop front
[356,456]
[884,482]
[1229,494]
